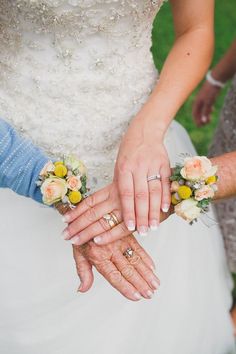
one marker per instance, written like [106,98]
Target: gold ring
[111,219]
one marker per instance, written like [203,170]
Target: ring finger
[154,186]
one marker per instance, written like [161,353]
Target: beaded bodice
[74,72]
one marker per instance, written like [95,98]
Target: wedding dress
[73,74]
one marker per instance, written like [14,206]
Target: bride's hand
[142,154]
[87,220]
[132,276]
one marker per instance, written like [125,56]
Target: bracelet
[63,183]
[213,81]
[193,185]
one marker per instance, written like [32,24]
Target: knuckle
[126,193]
[91,214]
[141,195]
[115,277]
[128,271]
[90,201]
[123,166]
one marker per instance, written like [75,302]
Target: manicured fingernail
[165,208]
[204,119]
[131,225]
[65,218]
[155,284]
[97,239]
[137,296]
[150,294]
[153,225]
[143,230]
[65,234]
[75,240]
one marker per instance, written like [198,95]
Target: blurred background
[225,32]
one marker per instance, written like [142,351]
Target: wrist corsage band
[63,183]
[193,185]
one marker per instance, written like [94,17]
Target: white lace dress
[73,74]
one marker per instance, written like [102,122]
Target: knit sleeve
[20,163]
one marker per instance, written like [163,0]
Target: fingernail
[143,230]
[78,290]
[65,218]
[131,225]
[150,294]
[65,234]
[155,284]
[204,119]
[153,225]
[97,239]
[137,296]
[165,208]
[75,240]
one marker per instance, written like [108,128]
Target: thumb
[84,270]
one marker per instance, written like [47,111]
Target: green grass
[225,29]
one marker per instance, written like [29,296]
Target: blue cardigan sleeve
[20,163]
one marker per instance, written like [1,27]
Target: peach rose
[188,209]
[204,192]
[74,183]
[49,167]
[53,190]
[198,167]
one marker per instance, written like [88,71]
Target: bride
[73,75]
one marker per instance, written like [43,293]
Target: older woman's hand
[131,273]
[98,217]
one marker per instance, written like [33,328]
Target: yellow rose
[211,180]
[174,201]
[75,197]
[198,167]
[60,170]
[53,190]
[184,192]
[58,163]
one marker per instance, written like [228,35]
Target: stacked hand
[132,276]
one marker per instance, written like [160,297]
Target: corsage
[193,185]
[63,183]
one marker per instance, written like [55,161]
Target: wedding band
[154,177]
[111,219]
[128,253]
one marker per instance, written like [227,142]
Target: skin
[207,95]
[142,152]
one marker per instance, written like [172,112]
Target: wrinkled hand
[86,221]
[204,102]
[132,277]
[142,154]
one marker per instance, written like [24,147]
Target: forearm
[226,68]
[227,175]
[20,163]
[184,67]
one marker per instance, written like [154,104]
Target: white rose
[49,167]
[188,209]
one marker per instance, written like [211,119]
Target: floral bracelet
[64,182]
[193,186]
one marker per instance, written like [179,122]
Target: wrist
[212,79]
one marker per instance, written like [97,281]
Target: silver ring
[154,177]
[128,253]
